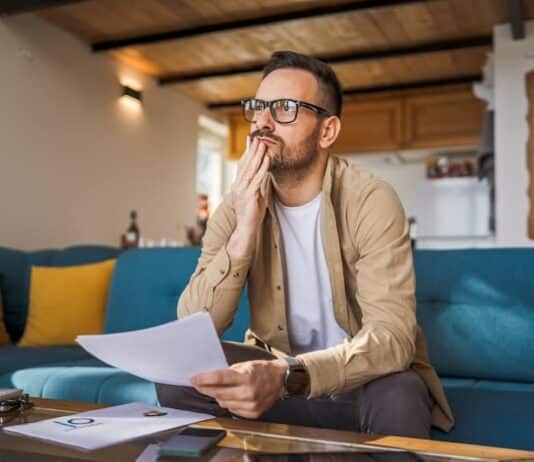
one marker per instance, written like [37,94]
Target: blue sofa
[475,306]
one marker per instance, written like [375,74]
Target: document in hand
[170,353]
[104,427]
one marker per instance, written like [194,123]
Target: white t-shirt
[311,322]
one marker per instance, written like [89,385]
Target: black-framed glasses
[283,111]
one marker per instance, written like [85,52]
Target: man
[325,249]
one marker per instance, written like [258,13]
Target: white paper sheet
[170,353]
[104,427]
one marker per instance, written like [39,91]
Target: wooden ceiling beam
[11,7]
[416,85]
[340,59]
[326,10]
[517,19]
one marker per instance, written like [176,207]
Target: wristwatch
[296,379]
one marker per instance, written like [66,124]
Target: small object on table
[12,399]
[191,442]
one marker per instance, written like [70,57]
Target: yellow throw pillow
[4,336]
[66,302]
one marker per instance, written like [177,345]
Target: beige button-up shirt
[369,258]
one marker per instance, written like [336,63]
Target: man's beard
[285,161]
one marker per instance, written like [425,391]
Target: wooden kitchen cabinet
[448,118]
[370,126]
[238,129]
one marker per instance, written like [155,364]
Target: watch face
[297,380]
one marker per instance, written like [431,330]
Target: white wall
[513,59]
[404,177]
[73,159]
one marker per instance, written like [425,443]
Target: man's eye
[285,106]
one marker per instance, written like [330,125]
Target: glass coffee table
[250,441]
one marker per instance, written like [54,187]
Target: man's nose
[264,120]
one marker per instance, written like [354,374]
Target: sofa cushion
[13,358]
[147,284]
[477,310]
[66,302]
[490,413]
[85,381]
[15,266]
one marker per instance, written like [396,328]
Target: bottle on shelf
[131,238]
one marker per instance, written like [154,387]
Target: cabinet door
[369,126]
[451,118]
[238,129]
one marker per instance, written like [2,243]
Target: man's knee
[397,404]
[188,399]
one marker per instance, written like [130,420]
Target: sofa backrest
[146,286]
[15,269]
[476,308]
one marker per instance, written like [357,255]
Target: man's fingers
[256,161]
[253,164]
[246,158]
[260,174]
[224,377]
[237,405]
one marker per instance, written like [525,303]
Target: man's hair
[330,91]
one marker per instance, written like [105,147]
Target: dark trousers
[396,404]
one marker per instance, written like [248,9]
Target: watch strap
[296,379]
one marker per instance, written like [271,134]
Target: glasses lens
[252,108]
[285,110]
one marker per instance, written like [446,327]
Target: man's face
[293,146]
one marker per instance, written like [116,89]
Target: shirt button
[205,308]
[278,288]
[280,328]
[236,275]
[276,246]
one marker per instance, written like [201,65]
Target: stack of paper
[104,427]
[170,353]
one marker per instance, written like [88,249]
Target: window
[214,173]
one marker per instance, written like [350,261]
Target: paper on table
[104,427]
[170,353]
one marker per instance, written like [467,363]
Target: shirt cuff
[325,371]
[223,270]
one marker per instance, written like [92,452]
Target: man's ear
[330,131]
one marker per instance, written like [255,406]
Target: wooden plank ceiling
[222,44]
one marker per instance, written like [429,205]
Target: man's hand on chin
[246,389]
